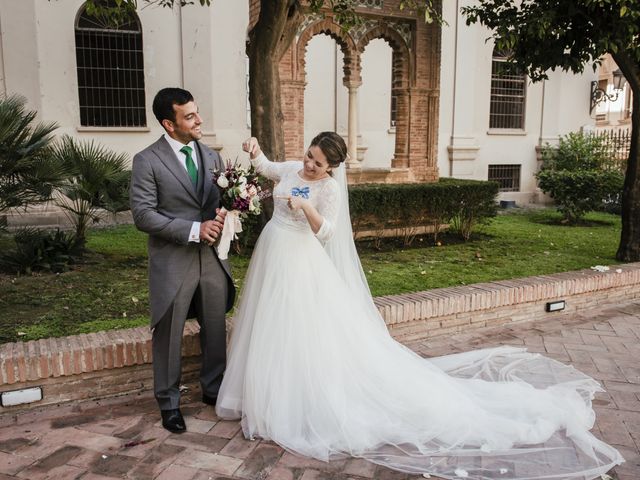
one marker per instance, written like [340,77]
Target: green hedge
[461,203]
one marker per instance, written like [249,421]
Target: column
[403,107]
[352,145]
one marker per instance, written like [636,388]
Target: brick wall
[416,78]
[104,364]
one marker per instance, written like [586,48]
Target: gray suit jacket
[164,204]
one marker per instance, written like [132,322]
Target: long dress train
[312,368]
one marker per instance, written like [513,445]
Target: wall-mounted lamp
[598,95]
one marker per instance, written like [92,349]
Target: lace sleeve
[328,207]
[272,170]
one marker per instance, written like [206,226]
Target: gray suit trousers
[206,285]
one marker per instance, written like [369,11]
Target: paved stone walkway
[122,437]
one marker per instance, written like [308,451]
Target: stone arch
[327,26]
[416,85]
[402,58]
[292,75]
[402,80]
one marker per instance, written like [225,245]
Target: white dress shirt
[181,157]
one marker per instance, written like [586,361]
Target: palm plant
[28,174]
[98,180]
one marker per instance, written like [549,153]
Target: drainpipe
[455,76]
[181,39]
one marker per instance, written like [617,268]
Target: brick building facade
[415,84]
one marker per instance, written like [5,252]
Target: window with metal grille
[110,72]
[508,94]
[507,176]
[394,110]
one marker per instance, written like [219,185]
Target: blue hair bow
[300,192]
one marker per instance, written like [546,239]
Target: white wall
[21,56]
[39,63]
[320,101]
[3,85]
[466,144]
[228,80]
[375,105]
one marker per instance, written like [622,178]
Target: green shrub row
[461,203]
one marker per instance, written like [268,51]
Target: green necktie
[191,166]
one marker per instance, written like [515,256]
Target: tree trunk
[268,41]
[629,248]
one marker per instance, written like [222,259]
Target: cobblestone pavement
[122,437]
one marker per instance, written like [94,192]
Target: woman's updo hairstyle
[333,147]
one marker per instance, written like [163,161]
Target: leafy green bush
[408,206]
[473,203]
[40,250]
[98,179]
[28,174]
[579,175]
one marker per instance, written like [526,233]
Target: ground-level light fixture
[19,397]
[555,306]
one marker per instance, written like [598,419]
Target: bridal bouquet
[241,194]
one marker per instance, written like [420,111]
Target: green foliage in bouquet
[240,188]
[579,175]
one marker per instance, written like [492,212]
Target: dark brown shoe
[209,400]
[172,420]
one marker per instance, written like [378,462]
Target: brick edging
[84,353]
[451,310]
[409,317]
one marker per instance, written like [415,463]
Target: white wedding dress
[313,368]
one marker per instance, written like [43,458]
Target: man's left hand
[210,230]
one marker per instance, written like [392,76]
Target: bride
[313,368]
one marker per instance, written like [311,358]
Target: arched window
[110,72]
[508,94]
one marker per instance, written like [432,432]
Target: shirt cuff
[194,234]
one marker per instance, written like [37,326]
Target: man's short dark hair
[165,99]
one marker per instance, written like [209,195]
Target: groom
[175,202]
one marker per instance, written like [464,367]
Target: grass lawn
[109,288]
